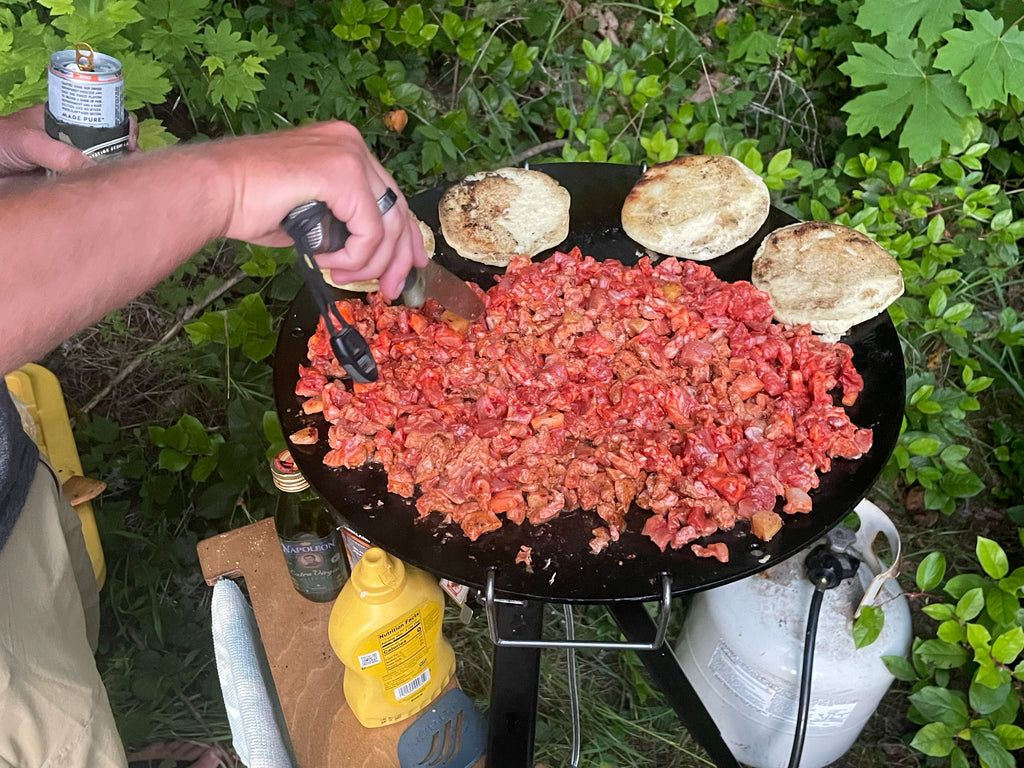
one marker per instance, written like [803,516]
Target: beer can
[86,102]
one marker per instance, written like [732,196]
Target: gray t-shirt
[18,460]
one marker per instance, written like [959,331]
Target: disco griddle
[631,570]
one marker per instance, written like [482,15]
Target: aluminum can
[86,102]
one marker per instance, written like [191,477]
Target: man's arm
[75,248]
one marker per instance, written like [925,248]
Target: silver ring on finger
[386,201]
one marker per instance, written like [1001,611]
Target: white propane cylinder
[742,648]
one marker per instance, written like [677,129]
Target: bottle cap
[286,474]
[377,575]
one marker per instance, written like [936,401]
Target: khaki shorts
[53,706]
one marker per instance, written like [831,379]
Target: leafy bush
[966,680]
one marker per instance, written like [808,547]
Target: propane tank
[742,647]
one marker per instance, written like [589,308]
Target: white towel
[258,732]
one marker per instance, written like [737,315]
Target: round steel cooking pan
[564,570]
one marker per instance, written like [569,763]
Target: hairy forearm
[75,248]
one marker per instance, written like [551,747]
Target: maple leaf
[934,103]
[224,43]
[897,20]
[145,80]
[987,60]
[755,48]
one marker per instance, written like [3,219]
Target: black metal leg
[514,680]
[638,627]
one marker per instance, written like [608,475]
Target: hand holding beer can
[86,102]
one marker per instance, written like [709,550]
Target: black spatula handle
[316,227]
[323,233]
[316,230]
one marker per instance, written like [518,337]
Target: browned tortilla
[490,217]
[696,207]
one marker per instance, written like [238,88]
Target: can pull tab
[84,55]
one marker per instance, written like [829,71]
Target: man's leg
[54,707]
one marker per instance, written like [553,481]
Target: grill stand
[514,681]
[516,669]
[668,677]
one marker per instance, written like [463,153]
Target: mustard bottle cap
[377,575]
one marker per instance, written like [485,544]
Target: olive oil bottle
[308,534]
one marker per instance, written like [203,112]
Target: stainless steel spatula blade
[451,292]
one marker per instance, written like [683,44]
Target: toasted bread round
[491,217]
[827,275]
[369,286]
[696,207]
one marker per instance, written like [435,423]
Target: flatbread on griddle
[827,275]
[369,286]
[491,217]
[696,207]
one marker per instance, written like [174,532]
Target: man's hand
[107,232]
[25,146]
[272,173]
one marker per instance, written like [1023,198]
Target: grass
[621,723]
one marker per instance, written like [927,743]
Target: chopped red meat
[602,537]
[593,385]
[525,557]
[718,550]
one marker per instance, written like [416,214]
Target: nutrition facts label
[401,654]
[403,649]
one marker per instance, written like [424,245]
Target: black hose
[825,570]
[800,730]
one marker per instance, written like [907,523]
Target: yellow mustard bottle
[386,629]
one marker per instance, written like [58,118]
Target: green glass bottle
[308,534]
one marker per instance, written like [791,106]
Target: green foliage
[966,680]
[191,46]
[954,235]
[931,106]
[929,18]
[931,84]
[868,626]
[247,325]
[988,59]
[1009,459]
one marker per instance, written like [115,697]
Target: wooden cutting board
[324,731]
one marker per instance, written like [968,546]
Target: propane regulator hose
[806,668]
[825,570]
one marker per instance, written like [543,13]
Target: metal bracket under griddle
[516,671]
[490,607]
